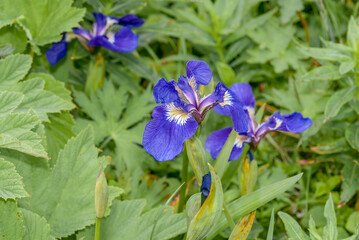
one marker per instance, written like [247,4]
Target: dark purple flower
[124,40]
[293,122]
[183,109]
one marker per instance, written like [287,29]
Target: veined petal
[228,104]
[189,90]
[57,51]
[123,41]
[216,140]
[99,27]
[293,122]
[165,92]
[165,135]
[244,93]
[130,21]
[200,71]
[82,32]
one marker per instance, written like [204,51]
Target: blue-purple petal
[130,21]
[100,25]
[165,92]
[216,140]
[188,89]
[82,32]
[293,122]
[123,41]
[244,93]
[56,52]
[164,136]
[230,105]
[200,71]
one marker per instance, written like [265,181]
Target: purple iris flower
[123,40]
[183,109]
[293,122]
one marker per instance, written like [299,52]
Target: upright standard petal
[56,52]
[293,122]
[130,21]
[200,71]
[123,41]
[244,93]
[165,135]
[165,92]
[216,140]
[189,89]
[82,32]
[102,23]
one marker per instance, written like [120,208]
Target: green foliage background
[298,55]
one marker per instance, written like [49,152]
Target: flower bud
[101,194]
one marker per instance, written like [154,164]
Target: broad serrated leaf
[36,227]
[52,85]
[65,195]
[11,185]
[289,8]
[39,100]
[352,136]
[13,68]
[58,131]
[9,101]
[15,36]
[293,228]
[127,223]
[16,134]
[119,122]
[250,202]
[337,100]
[44,19]
[11,225]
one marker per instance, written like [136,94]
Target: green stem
[184,174]
[229,217]
[98,227]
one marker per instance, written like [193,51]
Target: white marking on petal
[251,112]
[227,99]
[176,114]
[110,22]
[241,139]
[111,37]
[278,122]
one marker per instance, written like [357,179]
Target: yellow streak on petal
[226,99]
[177,114]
